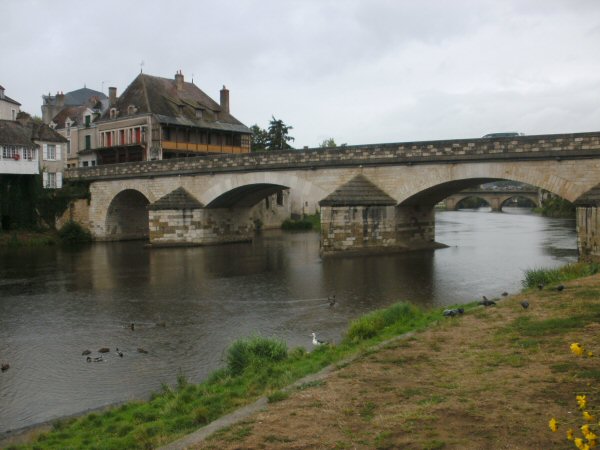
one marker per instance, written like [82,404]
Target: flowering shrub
[590,428]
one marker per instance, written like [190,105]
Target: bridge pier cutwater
[371,198]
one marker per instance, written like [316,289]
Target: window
[88,120]
[51,152]
[9,152]
[14,114]
[93,163]
[280,198]
[68,129]
[85,164]
[28,154]
[69,148]
[88,142]
[50,180]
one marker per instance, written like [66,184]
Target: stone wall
[588,233]
[200,226]
[365,229]
[77,211]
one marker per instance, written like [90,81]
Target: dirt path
[490,379]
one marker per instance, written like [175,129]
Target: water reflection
[55,303]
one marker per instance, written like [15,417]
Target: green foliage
[308,222]
[73,233]
[368,326]
[472,203]
[278,135]
[244,353]
[535,277]
[330,143]
[555,206]
[259,139]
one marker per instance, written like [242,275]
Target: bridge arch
[249,188]
[127,216]
[534,201]
[460,199]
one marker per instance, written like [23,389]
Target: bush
[370,325]
[73,233]
[255,350]
[296,225]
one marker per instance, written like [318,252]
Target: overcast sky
[356,70]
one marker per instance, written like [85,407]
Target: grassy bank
[492,378]
[308,222]
[259,366]
[23,238]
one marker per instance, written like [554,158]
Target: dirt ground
[472,382]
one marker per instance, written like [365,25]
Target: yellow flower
[579,443]
[587,416]
[581,401]
[577,349]
[553,424]
[570,434]
[592,443]
[590,354]
[585,429]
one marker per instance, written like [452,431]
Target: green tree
[259,139]
[278,135]
[328,143]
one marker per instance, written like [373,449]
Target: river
[188,304]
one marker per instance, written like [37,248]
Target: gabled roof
[42,132]
[74,113]
[177,199]
[160,96]
[10,100]
[359,191]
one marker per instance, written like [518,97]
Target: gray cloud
[359,71]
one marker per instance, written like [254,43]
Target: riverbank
[492,378]
[492,366]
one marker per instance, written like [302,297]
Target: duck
[560,287]
[316,341]
[141,350]
[331,300]
[132,326]
[4,367]
[119,352]
[525,304]
[96,359]
[104,350]
[541,286]
[86,352]
[505,294]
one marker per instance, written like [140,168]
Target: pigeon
[560,287]
[5,367]
[119,352]
[541,286]
[504,294]
[525,304]
[453,312]
[485,302]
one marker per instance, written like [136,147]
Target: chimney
[112,96]
[225,100]
[60,100]
[179,80]
[1,92]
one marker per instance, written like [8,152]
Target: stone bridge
[494,198]
[372,197]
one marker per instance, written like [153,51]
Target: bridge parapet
[555,146]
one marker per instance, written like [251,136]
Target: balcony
[201,148]
[11,166]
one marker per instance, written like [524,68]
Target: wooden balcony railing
[202,148]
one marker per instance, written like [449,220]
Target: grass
[535,277]
[308,222]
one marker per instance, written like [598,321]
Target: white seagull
[316,341]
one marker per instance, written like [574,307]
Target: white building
[9,108]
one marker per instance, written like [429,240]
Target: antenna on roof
[192,78]
[142,66]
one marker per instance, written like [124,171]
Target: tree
[259,139]
[330,143]
[278,135]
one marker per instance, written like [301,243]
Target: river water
[188,304]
